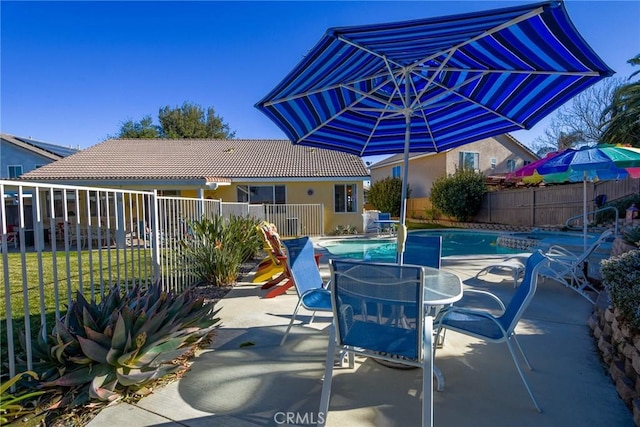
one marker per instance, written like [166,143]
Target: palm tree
[623,126]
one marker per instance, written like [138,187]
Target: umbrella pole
[403,198]
[584,210]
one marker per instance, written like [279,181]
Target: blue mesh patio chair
[497,329]
[303,270]
[378,312]
[423,250]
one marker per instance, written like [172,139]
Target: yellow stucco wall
[423,171]
[298,193]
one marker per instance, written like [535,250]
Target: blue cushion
[317,299]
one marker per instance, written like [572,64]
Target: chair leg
[328,376]
[438,342]
[427,373]
[293,317]
[524,380]
[524,357]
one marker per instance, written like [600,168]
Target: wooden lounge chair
[273,264]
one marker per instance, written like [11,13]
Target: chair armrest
[461,309]
[556,250]
[563,261]
[488,294]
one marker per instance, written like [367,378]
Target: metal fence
[58,240]
[296,219]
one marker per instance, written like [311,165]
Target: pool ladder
[585,217]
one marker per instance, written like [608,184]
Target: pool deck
[246,379]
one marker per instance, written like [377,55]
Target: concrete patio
[246,379]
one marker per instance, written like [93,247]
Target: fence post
[155,251]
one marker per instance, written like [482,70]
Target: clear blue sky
[71,72]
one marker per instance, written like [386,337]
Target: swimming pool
[543,239]
[454,242]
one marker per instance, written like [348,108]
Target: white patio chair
[569,268]
[378,313]
[513,264]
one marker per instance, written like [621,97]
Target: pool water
[454,242]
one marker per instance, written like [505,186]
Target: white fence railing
[296,219]
[58,240]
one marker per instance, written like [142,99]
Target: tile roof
[212,160]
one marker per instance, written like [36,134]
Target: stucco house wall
[425,168]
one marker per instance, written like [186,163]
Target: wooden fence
[535,206]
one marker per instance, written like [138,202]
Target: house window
[344,196]
[469,160]
[511,165]
[396,171]
[526,162]
[494,162]
[262,194]
[15,171]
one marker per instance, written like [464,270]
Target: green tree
[623,126]
[191,121]
[386,195]
[188,121]
[142,129]
[459,195]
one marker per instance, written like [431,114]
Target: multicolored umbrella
[528,173]
[601,162]
[428,85]
[587,164]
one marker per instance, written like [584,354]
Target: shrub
[100,351]
[632,236]
[621,206]
[459,195]
[432,214]
[621,277]
[386,195]
[219,246]
[341,230]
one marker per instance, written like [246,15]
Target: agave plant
[123,342]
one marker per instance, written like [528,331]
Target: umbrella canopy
[528,172]
[587,164]
[433,84]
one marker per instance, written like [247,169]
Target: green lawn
[94,272]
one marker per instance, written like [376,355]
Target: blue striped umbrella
[429,85]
